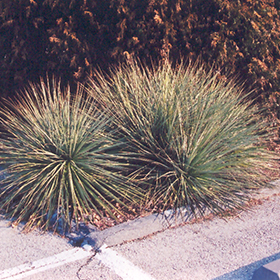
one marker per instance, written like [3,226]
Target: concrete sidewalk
[213,249]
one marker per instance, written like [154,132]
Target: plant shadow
[246,272]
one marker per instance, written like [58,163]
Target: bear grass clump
[60,160]
[151,138]
[191,138]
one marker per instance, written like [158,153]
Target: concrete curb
[137,228]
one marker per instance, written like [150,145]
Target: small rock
[86,247]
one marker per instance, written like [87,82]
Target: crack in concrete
[86,264]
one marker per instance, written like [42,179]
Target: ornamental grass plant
[191,138]
[61,159]
[168,137]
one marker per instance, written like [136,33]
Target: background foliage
[71,37]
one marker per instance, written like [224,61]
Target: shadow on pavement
[246,272]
